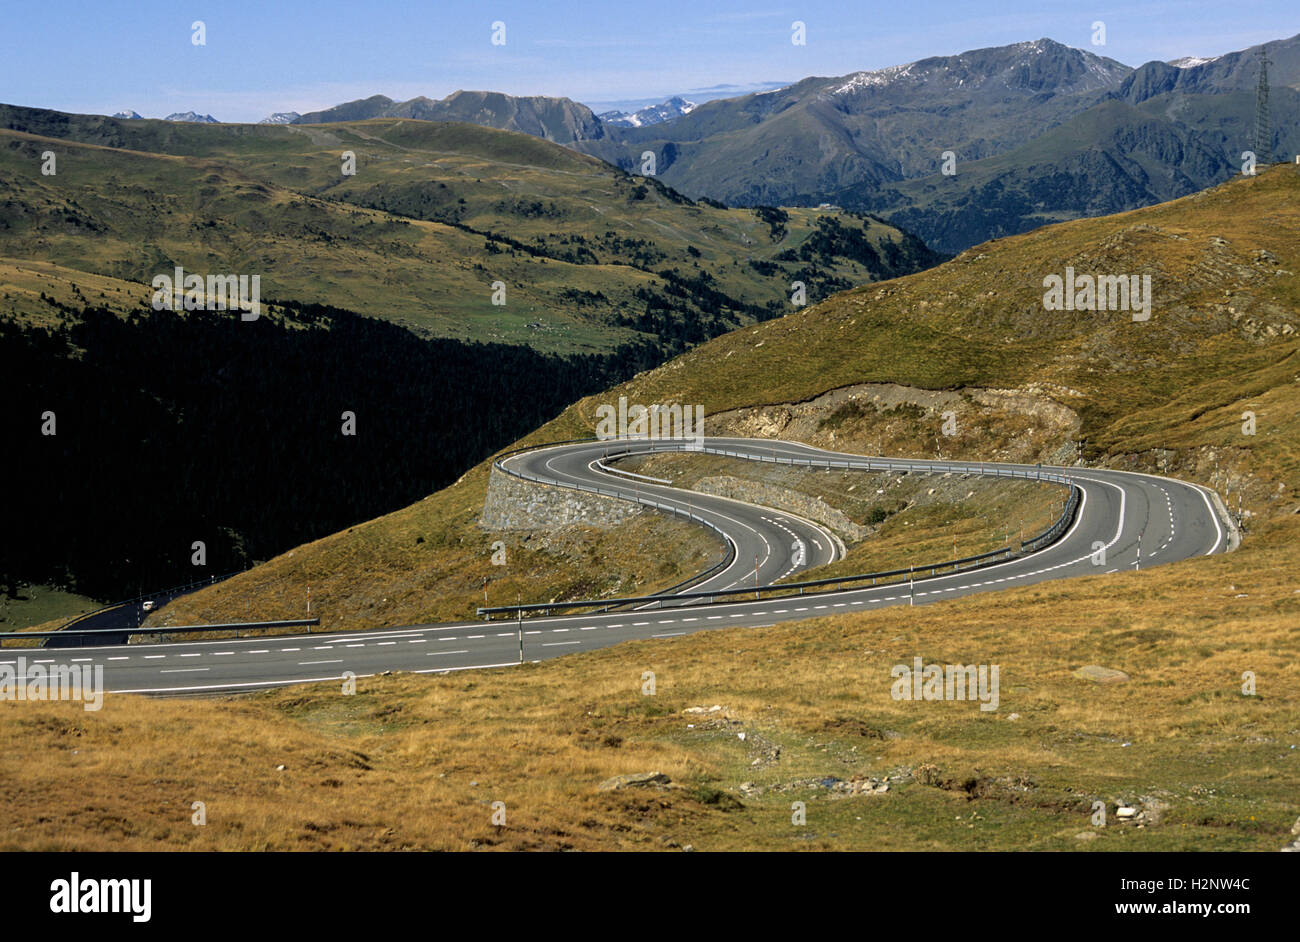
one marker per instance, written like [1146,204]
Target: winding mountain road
[1173,519]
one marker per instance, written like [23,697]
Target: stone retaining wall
[770,495]
[516,504]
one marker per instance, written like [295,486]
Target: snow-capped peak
[674,107]
[1191,62]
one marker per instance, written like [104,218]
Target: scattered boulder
[635,780]
[1294,846]
[1101,675]
[837,787]
[1153,809]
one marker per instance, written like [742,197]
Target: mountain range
[1031,133]
[1039,132]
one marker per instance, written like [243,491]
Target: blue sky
[101,57]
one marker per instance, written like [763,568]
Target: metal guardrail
[236,627]
[770,591]
[1054,532]
[1033,544]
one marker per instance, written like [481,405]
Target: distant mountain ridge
[1036,132]
[192,117]
[561,120]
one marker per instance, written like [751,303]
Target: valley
[904,456]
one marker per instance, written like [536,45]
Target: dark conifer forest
[174,429]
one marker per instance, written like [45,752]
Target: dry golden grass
[416,761]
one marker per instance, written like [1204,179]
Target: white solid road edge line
[309,680]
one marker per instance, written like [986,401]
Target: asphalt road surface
[1175,521]
[124,615]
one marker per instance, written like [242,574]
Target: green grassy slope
[434,215]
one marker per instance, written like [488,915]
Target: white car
[147,606]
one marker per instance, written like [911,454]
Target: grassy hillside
[875,369]
[435,214]
[1164,393]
